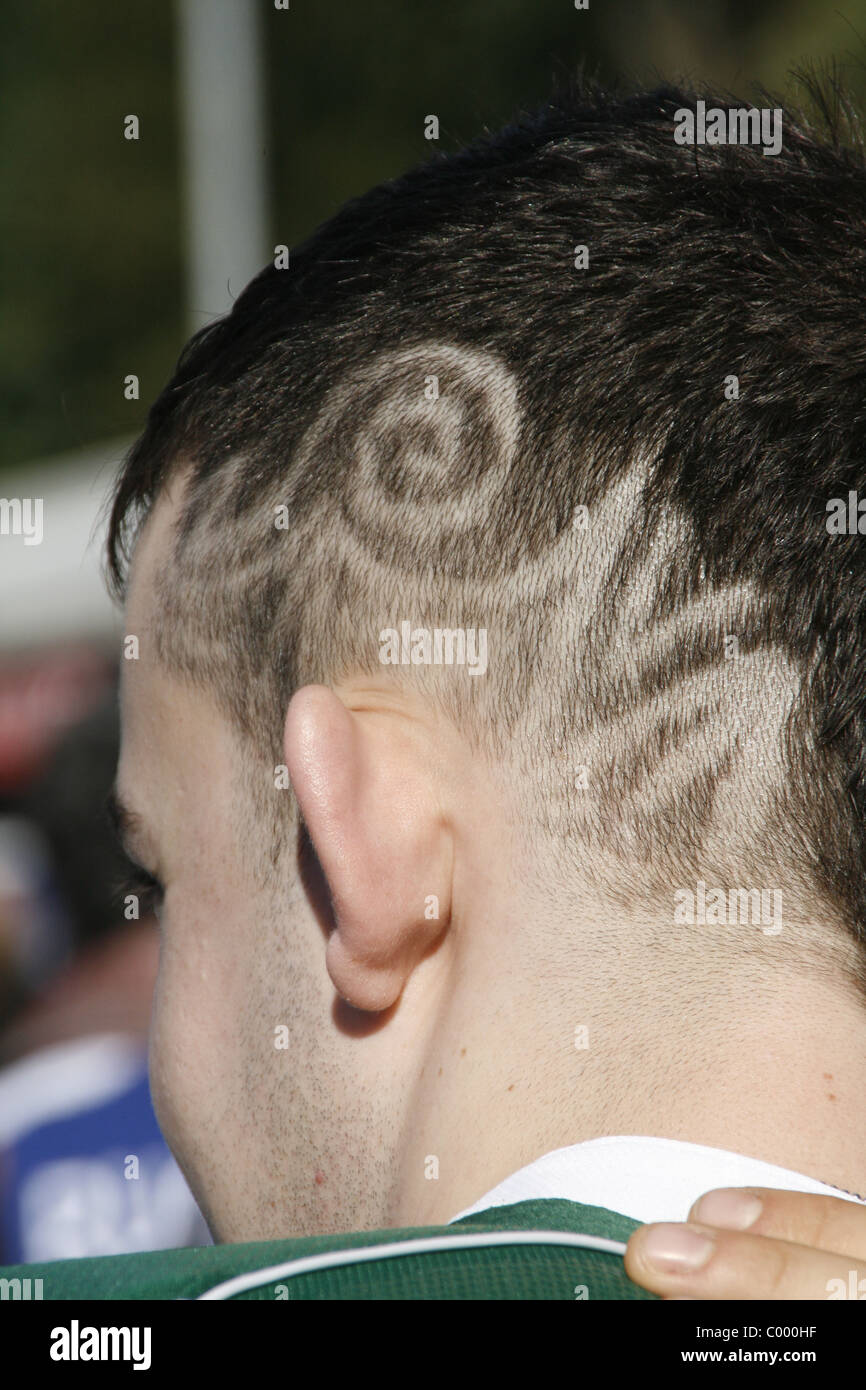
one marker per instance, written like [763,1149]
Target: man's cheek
[170,1080]
[194,1021]
[180,1045]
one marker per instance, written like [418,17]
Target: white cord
[333,1258]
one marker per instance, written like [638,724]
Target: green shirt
[530,1269]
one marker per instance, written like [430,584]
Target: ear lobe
[365,792]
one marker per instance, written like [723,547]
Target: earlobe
[364,788]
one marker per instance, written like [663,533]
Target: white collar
[645,1178]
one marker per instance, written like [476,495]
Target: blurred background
[153,155]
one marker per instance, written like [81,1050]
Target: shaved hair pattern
[463,431]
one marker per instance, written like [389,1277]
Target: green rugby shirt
[534,1252]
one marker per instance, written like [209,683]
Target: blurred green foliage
[91,225]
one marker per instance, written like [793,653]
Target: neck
[764,1064]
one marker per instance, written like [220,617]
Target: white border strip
[424,1246]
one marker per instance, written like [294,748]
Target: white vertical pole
[223,166]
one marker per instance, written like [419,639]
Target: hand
[755,1243]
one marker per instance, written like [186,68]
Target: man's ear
[365,782]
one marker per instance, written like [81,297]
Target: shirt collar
[646,1178]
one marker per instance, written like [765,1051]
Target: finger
[827,1223]
[708,1263]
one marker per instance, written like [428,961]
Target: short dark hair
[680,669]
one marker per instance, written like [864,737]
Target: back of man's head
[582,393]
